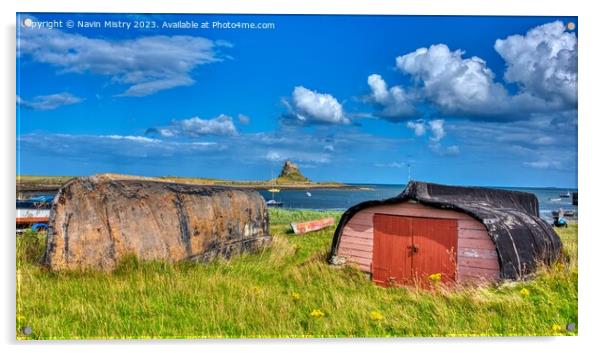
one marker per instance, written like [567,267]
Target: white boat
[31,215]
[273,203]
[34,210]
[565,195]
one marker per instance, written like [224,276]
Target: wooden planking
[350,231]
[355,240]
[361,222]
[359,247]
[477,257]
[477,253]
[474,234]
[353,253]
[359,227]
[476,272]
[435,239]
[486,244]
[488,264]
[362,217]
[355,248]
[360,261]
[466,279]
[422,211]
[392,259]
[471,224]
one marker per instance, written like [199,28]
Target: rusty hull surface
[97,221]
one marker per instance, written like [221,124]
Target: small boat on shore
[561,213]
[273,203]
[34,212]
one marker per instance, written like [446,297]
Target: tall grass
[274,294]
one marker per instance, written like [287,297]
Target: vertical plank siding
[437,240]
[477,259]
[392,260]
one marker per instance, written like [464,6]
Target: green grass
[273,293]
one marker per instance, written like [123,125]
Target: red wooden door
[391,259]
[435,242]
[410,249]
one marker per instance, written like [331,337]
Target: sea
[342,199]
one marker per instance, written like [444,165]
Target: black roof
[521,238]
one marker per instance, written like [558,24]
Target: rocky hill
[291,173]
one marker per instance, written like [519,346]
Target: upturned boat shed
[461,234]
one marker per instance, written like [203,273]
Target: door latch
[413,248]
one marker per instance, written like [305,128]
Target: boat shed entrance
[409,249]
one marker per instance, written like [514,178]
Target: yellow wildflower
[556,328]
[316,313]
[435,277]
[524,292]
[295,296]
[376,315]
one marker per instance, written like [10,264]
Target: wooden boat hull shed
[463,234]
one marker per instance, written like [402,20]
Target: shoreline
[41,184]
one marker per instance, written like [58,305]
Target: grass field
[286,291]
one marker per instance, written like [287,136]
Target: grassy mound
[286,291]
[292,179]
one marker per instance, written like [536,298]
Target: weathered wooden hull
[97,221]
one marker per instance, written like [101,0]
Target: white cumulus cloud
[419,127]
[395,102]
[456,85]
[437,129]
[310,107]
[543,62]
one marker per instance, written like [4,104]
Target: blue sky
[463,100]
